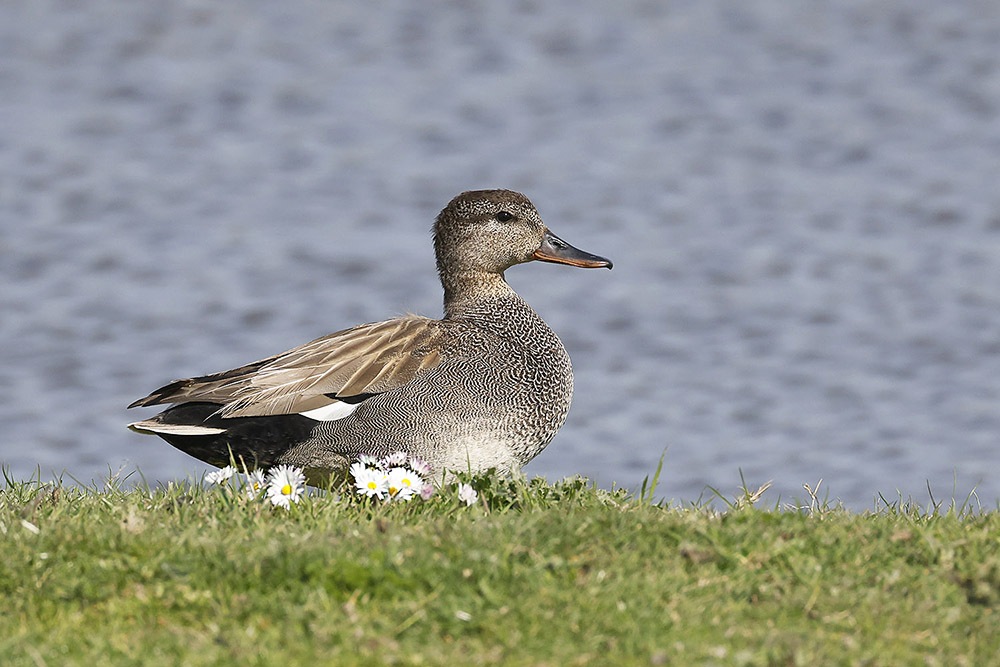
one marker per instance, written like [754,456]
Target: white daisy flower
[403,483]
[426,491]
[220,476]
[467,494]
[255,483]
[369,481]
[394,460]
[285,485]
[420,466]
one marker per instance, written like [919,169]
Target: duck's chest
[518,367]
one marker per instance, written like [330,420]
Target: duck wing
[366,359]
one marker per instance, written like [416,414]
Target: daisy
[420,466]
[285,485]
[426,491]
[220,476]
[467,494]
[369,481]
[368,460]
[403,483]
[255,483]
[394,460]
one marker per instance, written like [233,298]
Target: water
[801,204]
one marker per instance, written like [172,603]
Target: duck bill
[554,249]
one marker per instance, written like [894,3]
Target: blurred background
[801,201]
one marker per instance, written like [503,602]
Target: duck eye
[504,216]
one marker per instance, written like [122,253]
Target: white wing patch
[331,412]
[155,427]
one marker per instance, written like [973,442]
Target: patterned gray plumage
[489,385]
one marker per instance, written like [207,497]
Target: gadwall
[485,387]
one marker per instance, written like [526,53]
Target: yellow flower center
[286,490]
[372,485]
[407,482]
[393,490]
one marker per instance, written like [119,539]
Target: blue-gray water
[801,200]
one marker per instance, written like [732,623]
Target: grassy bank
[531,574]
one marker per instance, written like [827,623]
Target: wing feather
[366,359]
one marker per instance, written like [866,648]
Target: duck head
[489,231]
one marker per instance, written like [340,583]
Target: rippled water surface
[801,203]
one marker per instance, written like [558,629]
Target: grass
[535,573]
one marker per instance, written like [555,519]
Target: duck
[485,387]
